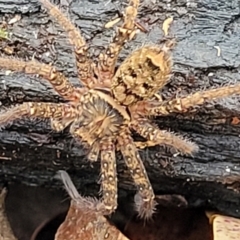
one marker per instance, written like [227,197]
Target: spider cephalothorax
[111,104]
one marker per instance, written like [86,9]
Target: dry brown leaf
[85,218]
[5,228]
[224,227]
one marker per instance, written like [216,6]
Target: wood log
[206,56]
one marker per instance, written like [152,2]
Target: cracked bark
[31,153]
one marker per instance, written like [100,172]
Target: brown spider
[111,104]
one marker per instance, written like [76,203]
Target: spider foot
[145,204]
[156,136]
[13,113]
[183,104]
[145,208]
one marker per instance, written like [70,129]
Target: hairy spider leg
[145,205]
[185,103]
[84,65]
[44,110]
[156,136]
[58,81]
[107,59]
[108,176]
[94,152]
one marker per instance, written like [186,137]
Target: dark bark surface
[31,153]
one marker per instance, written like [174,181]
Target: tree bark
[206,56]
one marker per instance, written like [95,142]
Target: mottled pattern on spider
[111,104]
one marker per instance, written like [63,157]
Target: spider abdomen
[142,74]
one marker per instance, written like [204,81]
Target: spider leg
[185,103]
[156,136]
[106,147]
[109,176]
[58,81]
[60,124]
[107,59]
[142,145]
[94,152]
[50,111]
[146,204]
[84,64]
